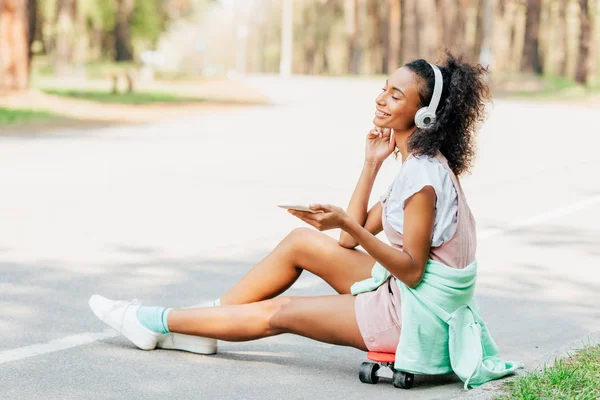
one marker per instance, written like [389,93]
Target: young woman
[424,215]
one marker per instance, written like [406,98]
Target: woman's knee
[300,236]
[303,240]
[279,312]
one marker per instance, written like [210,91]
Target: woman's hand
[331,217]
[380,144]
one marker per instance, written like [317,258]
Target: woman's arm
[357,208]
[407,264]
[372,224]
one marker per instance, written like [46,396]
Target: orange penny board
[381,357]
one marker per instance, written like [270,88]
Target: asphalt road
[175,213]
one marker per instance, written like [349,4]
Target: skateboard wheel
[403,380]
[367,372]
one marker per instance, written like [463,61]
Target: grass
[123,98]
[16,116]
[547,87]
[42,66]
[576,377]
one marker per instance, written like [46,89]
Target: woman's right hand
[379,146]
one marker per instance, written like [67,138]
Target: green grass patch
[552,88]
[576,377]
[17,116]
[123,98]
[41,66]
[103,69]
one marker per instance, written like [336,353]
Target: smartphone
[298,207]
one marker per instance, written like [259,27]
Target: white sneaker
[193,344]
[122,316]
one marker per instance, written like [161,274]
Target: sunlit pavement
[176,213]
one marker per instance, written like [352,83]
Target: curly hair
[459,115]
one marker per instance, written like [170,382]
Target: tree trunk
[326,14]
[352,27]
[66,11]
[384,30]
[427,26]
[408,49]
[14,49]
[439,24]
[562,39]
[395,28]
[451,20]
[585,43]
[479,29]
[33,27]
[123,49]
[531,61]
[514,56]
[363,33]
[377,34]
[458,25]
[309,42]
[417,28]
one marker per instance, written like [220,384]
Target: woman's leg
[302,249]
[329,319]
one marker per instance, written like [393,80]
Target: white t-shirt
[416,173]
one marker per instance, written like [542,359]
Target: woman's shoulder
[423,166]
[419,171]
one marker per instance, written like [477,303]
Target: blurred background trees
[556,38]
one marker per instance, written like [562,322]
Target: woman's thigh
[323,256]
[329,319]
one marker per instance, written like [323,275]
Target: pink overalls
[378,312]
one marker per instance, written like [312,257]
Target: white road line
[81,339]
[545,217]
[489,233]
[54,345]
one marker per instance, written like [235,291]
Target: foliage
[15,116]
[148,20]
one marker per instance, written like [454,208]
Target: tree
[148,22]
[562,38]
[14,40]
[394,32]
[480,28]
[309,44]
[409,35]
[585,41]
[377,37]
[450,17]
[124,17]
[66,12]
[33,28]
[353,35]
[531,61]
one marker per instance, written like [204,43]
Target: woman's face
[398,102]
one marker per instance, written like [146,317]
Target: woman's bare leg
[302,249]
[329,319]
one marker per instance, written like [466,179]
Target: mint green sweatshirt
[442,329]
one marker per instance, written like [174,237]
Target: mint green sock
[154,318]
[217,302]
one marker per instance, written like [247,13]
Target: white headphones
[425,117]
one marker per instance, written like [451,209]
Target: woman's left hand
[332,217]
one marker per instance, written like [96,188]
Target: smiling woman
[431,249]
[460,112]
